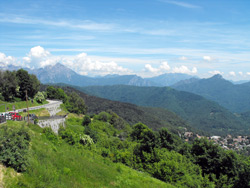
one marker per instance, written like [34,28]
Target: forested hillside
[198,111]
[234,97]
[155,118]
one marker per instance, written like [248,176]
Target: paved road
[53,104]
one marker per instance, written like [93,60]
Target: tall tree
[8,85]
[27,82]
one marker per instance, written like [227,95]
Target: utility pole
[27,107]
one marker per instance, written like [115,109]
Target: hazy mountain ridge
[198,111]
[234,97]
[59,73]
[168,79]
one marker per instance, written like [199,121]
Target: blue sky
[144,37]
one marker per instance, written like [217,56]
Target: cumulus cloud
[232,73]
[149,68]
[215,72]
[241,73]
[164,68]
[207,58]
[185,70]
[248,73]
[86,65]
[81,63]
[39,57]
[6,60]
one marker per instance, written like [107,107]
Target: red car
[15,116]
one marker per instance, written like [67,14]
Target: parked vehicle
[32,116]
[15,116]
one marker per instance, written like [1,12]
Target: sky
[143,37]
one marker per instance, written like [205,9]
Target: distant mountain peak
[217,76]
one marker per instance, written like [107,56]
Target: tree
[165,139]
[76,104]
[27,82]
[39,97]
[8,85]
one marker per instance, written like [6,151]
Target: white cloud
[215,72]
[164,66]
[241,73]
[232,73]
[85,66]
[185,70]
[207,58]
[81,63]
[149,68]
[248,73]
[6,60]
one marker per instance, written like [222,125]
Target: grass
[62,166]
[18,105]
[39,112]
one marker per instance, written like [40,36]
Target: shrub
[39,97]
[14,147]
[86,120]
[69,136]
[86,140]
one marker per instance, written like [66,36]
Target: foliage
[39,97]
[28,83]
[75,104]
[8,85]
[198,111]
[72,101]
[86,140]
[14,147]
[69,136]
[86,120]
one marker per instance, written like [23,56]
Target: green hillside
[155,118]
[56,164]
[234,97]
[198,111]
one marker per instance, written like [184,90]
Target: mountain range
[234,97]
[59,73]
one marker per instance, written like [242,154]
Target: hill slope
[236,98]
[155,118]
[198,111]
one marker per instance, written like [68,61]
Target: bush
[86,140]
[86,120]
[50,135]
[14,147]
[39,97]
[69,136]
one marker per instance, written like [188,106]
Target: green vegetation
[103,153]
[72,101]
[54,163]
[155,118]
[13,85]
[19,105]
[234,97]
[198,111]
